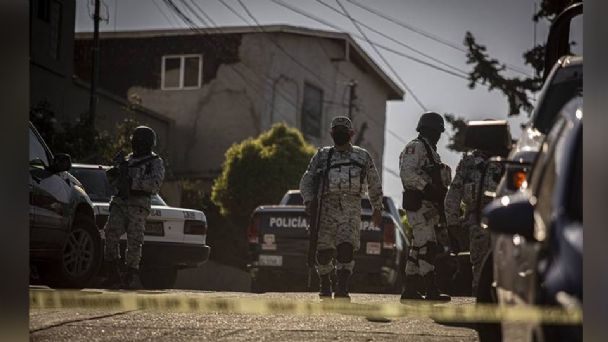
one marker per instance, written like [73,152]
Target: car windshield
[95,183]
[98,187]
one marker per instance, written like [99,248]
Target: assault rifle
[315,215]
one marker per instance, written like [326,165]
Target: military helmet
[431,120]
[341,121]
[145,135]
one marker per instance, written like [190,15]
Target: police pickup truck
[278,240]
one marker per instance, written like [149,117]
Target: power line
[384,47]
[268,81]
[426,34]
[381,56]
[278,45]
[234,11]
[163,13]
[192,26]
[395,40]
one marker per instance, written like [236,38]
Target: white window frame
[182,66]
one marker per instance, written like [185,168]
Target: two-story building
[223,85]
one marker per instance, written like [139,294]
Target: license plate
[270,260]
[154,228]
[373,248]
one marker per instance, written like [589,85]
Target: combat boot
[325,286]
[342,288]
[113,279]
[411,288]
[432,292]
[129,279]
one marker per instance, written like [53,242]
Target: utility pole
[95,66]
[351,97]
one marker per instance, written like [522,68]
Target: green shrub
[260,170]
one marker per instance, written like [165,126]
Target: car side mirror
[510,215]
[61,162]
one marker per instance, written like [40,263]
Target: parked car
[278,240]
[538,260]
[563,79]
[65,246]
[174,238]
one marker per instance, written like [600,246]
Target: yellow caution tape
[208,303]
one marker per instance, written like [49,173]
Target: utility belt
[412,200]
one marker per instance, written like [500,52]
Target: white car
[175,238]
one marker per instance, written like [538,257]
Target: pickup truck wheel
[158,278]
[81,256]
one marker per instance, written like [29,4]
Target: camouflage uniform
[351,173]
[464,190]
[129,214]
[413,161]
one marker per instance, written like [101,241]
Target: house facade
[224,85]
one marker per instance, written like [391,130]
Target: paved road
[98,325]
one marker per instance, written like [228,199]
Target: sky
[504,27]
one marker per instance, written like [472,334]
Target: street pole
[351,98]
[95,67]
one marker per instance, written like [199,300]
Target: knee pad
[324,256]
[345,253]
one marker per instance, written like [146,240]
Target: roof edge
[396,92]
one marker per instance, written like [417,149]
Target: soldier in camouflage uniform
[351,173]
[137,178]
[425,181]
[464,189]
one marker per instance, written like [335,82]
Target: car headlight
[195,227]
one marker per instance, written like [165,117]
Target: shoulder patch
[410,149]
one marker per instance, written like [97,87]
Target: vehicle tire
[81,256]
[158,278]
[486,294]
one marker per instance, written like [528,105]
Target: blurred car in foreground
[65,247]
[174,238]
[538,260]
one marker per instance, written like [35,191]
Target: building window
[312,111]
[181,72]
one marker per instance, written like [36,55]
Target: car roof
[567,70]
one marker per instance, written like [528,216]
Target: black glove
[433,193]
